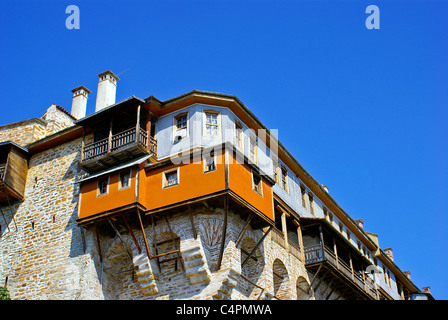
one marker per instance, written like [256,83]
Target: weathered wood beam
[132,234]
[224,230]
[195,234]
[249,218]
[121,239]
[98,242]
[256,247]
[143,233]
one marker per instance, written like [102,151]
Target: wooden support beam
[142,229]
[320,280]
[224,230]
[285,230]
[98,242]
[314,277]
[240,237]
[154,242]
[258,244]
[195,234]
[132,234]
[121,239]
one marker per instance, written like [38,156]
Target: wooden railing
[118,141]
[293,248]
[277,236]
[2,171]
[314,254]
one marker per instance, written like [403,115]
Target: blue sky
[364,111]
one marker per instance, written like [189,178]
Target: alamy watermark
[73,20]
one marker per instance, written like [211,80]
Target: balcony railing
[2,171]
[121,140]
[294,249]
[314,254]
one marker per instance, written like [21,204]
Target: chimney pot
[427,290]
[79,102]
[408,274]
[389,253]
[107,88]
[360,223]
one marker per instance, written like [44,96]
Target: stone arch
[282,286]
[252,270]
[302,289]
[117,268]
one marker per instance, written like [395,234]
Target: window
[341,228]
[303,193]
[311,197]
[103,186]
[325,212]
[284,179]
[170,178]
[125,180]
[180,126]
[209,163]
[253,149]
[212,123]
[348,234]
[275,170]
[239,135]
[256,183]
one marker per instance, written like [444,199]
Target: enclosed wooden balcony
[336,269]
[121,132]
[13,172]
[331,259]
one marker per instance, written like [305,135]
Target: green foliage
[4,294]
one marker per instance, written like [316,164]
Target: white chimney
[107,88]
[79,102]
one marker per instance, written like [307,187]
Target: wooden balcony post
[300,239]
[321,241]
[148,131]
[109,142]
[82,143]
[137,126]
[285,230]
[336,253]
[351,266]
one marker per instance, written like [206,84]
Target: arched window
[282,287]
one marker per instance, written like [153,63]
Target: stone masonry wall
[28,131]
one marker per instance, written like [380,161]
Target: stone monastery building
[188,198]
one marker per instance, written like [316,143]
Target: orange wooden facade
[193,183]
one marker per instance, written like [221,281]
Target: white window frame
[183,134]
[259,188]
[251,139]
[165,180]
[120,184]
[98,187]
[217,125]
[204,160]
[239,135]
